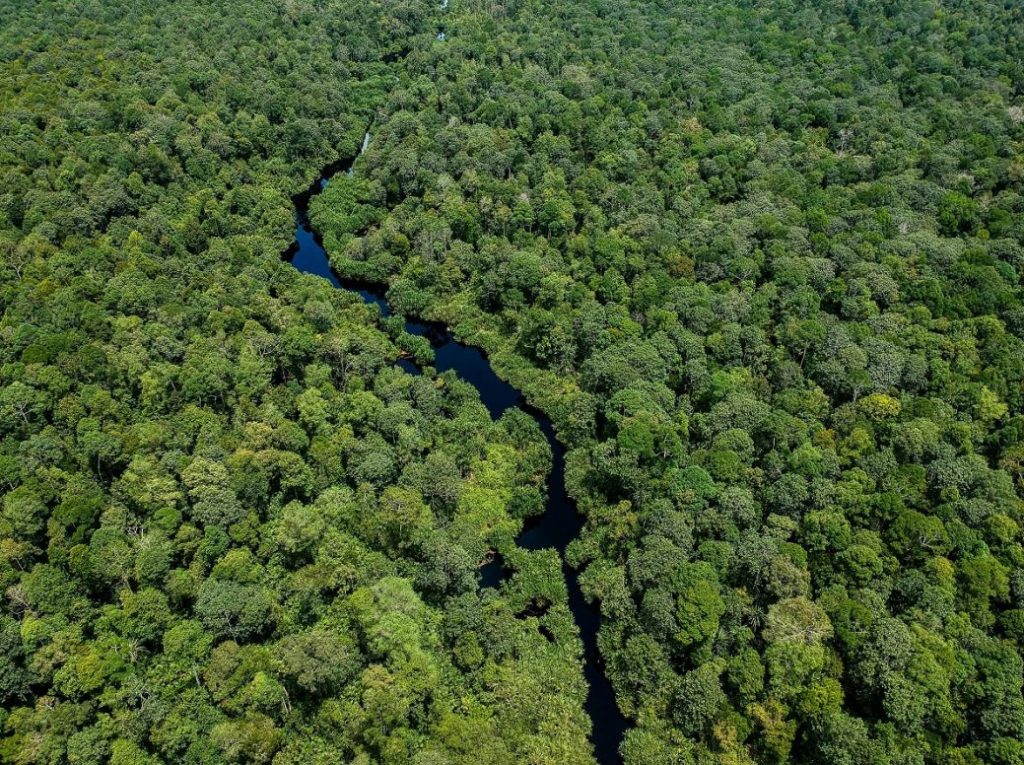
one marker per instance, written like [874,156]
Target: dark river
[559,524]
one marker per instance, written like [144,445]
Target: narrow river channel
[559,524]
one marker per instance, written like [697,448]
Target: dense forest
[232,530]
[760,262]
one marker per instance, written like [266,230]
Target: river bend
[560,522]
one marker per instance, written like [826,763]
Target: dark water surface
[559,524]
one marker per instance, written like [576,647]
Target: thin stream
[560,522]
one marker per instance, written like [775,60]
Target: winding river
[559,524]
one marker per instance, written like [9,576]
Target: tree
[233,610]
[319,662]
[700,699]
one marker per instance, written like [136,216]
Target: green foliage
[231,530]
[761,264]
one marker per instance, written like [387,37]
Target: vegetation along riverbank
[670,412]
